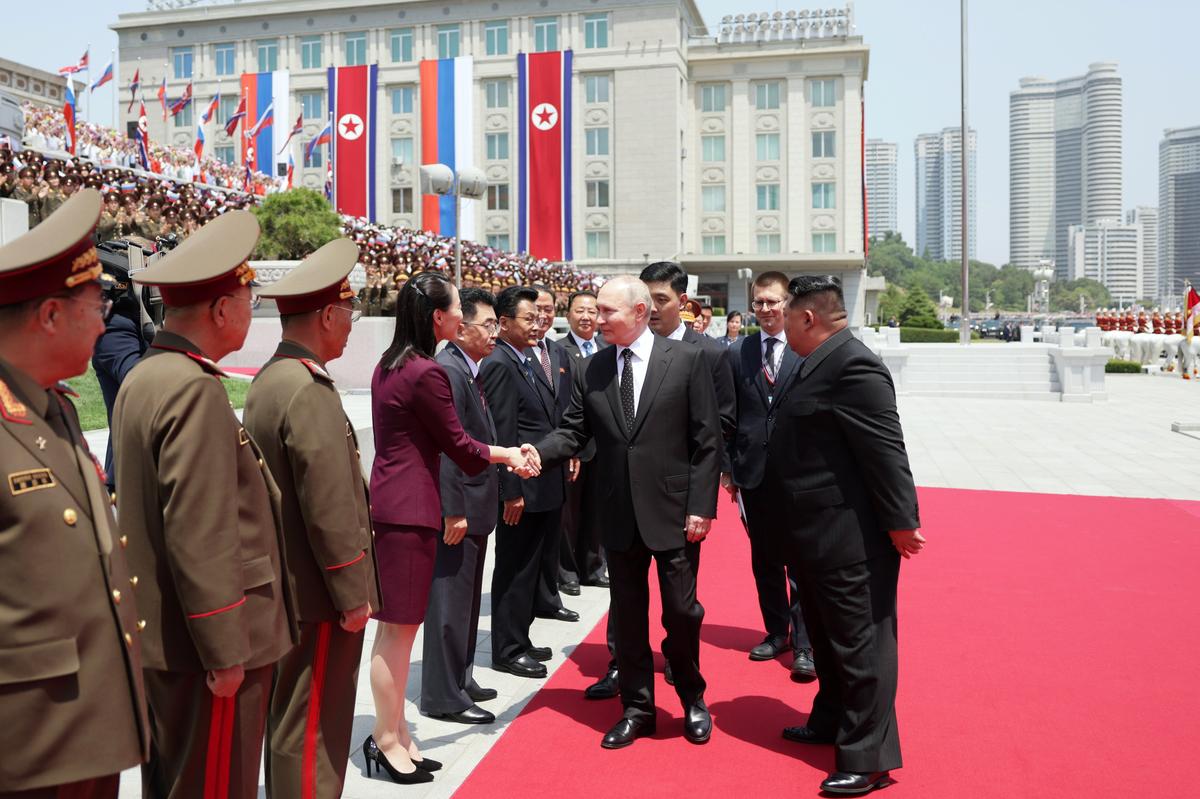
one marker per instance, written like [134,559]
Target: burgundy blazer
[412,408]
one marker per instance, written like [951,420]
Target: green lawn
[90,403]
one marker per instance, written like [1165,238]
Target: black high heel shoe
[371,753]
[427,764]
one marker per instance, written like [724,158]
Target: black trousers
[452,625]
[519,565]
[682,614]
[548,602]
[851,614]
[581,558]
[773,580]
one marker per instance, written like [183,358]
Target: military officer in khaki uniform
[294,413]
[201,513]
[72,713]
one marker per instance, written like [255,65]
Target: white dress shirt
[579,342]
[641,348]
[679,331]
[521,356]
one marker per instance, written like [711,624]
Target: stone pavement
[1122,447]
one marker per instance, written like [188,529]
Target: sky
[912,85]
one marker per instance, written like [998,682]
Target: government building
[734,146]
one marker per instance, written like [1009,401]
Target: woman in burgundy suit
[415,422]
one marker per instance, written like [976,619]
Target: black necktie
[769,361]
[627,388]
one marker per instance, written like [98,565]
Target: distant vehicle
[12,120]
[991,328]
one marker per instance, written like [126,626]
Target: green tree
[294,224]
[918,310]
[1065,296]
[890,303]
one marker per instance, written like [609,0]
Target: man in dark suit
[523,409]
[581,557]
[555,372]
[469,508]
[847,512]
[763,368]
[648,404]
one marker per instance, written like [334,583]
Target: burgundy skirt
[405,556]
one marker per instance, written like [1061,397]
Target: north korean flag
[544,144]
[352,153]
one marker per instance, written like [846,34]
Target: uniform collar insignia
[11,408]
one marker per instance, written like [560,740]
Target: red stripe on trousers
[226,760]
[214,786]
[312,725]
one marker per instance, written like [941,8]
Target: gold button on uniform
[128,640]
[141,625]
[261,465]
[133,581]
[70,517]
[116,595]
[124,541]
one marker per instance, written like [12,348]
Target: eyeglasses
[490,326]
[255,301]
[529,319]
[355,313]
[766,305]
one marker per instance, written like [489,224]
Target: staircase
[979,371]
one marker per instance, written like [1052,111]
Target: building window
[184,118]
[499,241]
[496,93]
[226,107]
[767,196]
[598,244]
[223,153]
[497,146]
[181,59]
[824,242]
[822,93]
[448,39]
[712,148]
[767,146]
[545,34]
[766,95]
[712,245]
[268,54]
[311,104]
[317,156]
[497,197]
[223,56]
[402,100]
[824,195]
[712,98]
[597,193]
[595,88]
[595,31]
[310,52]
[596,140]
[402,150]
[495,37]
[823,143]
[356,48]
[402,201]
[767,243]
[713,199]
[402,45]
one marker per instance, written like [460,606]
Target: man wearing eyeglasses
[294,413]
[763,367]
[199,510]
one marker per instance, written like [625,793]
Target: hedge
[925,335]
[1118,367]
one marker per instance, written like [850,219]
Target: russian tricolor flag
[261,90]
[544,154]
[447,136]
[352,93]
[69,116]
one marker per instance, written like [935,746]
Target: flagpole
[87,81]
[116,82]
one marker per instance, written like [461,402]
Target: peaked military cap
[319,280]
[213,261]
[56,255]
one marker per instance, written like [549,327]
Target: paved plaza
[1120,447]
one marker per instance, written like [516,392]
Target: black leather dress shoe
[479,694]
[625,732]
[803,735]
[697,723]
[667,675]
[851,783]
[570,589]
[771,646]
[523,666]
[562,614]
[604,688]
[599,582]
[803,669]
[472,715]
[540,653]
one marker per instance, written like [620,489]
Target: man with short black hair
[836,451]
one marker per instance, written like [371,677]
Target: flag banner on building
[544,155]
[143,137]
[263,90]
[104,78]
[69,116]
[80,66]
[134,85]
[352,153]
[447,136]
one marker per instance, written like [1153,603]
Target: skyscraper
[1064,161]
[1179,212]
[882,188]
[1146,218]
[1108,252]
[939,200]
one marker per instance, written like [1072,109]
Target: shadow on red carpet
[1048,646]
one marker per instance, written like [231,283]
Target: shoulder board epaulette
[205,363]
[316,368]
[11,408]
[63,388]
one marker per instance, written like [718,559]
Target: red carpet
[1049,647]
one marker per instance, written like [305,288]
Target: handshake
[524,460]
